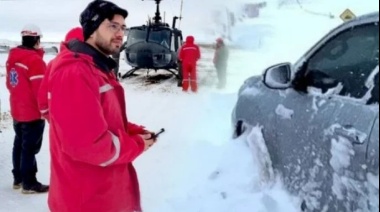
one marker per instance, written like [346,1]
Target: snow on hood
[349,132]
[284,112]
[318,92]
[342,151]
[251,91]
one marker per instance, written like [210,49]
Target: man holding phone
[92,142]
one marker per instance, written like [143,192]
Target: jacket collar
[40,51]
[104,63]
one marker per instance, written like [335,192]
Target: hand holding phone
[148,141]
[155,135]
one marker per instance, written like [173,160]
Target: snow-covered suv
[320,118]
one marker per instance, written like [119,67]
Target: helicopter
[153,46]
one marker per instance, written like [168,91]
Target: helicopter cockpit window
[135,36]
[160,36]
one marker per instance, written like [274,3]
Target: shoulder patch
[13,77]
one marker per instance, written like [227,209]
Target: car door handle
[353,135]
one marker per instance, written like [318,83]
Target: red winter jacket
[189,52]
[25,70]
[43,94]
[92,144]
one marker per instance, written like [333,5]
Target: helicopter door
[177,41]
[173,46]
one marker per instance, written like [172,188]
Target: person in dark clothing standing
[25,70]
[220,62]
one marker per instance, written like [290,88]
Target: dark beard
[104,47]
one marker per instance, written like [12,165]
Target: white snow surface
[284,112]
[195,166]
[342,152]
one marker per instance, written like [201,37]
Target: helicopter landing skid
[129,73]
[132,71]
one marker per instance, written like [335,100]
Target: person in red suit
[25,69]
[189,54]
[93,143]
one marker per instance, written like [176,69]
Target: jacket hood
[67,44]
[20,53]
[190,39]
[74,33]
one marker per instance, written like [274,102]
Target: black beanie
[95,13]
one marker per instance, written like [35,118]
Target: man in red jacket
[189,54]
[25,69]
[92,143]
[43,94]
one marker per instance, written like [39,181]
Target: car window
[349,58]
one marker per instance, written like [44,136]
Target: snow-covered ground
[195,166]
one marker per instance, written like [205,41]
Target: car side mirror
[278,76]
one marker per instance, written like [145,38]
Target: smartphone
[155,135]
